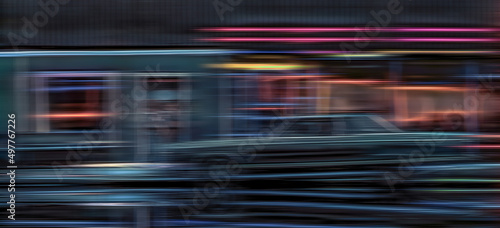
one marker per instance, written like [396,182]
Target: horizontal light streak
[122,165]
[483,136]
[344,29]
[115,53]
[454,112]
[440,39]
[265,108]
[194,52]
[364,55]
[436,52]
[463,180]
[412,119]
[258,66]
[478,146]
[354,81]
[73,115]
[349,39]
[426,88]
[274,78]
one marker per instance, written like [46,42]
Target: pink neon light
[257,29]
[345,39]
[343,29]
[480,40]
[442,29]
[280,39]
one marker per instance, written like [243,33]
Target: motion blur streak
[250,113]
[345,29]
[346,39]
[73,115]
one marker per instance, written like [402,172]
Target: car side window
[321,127]
[311,127]
[339,126]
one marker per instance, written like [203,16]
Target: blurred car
[325,169]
